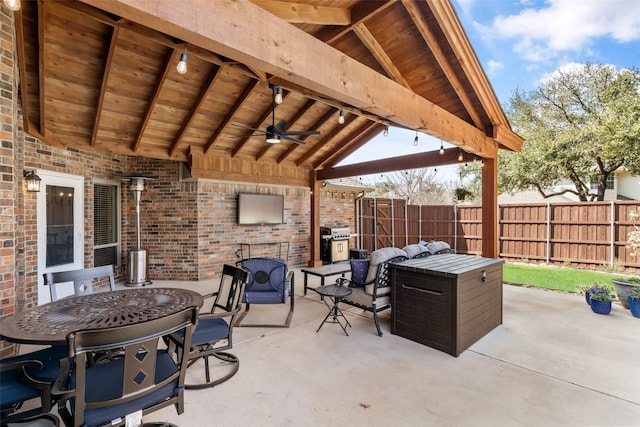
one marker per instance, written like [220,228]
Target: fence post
[548,251]
[613,233]
[406,222]
[455,228]
[375,224]
[420,222]
[393,224]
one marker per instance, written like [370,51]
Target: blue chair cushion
[104,381]
[359,269]
[50,358]
[13,390]
[266,284]
[210,330]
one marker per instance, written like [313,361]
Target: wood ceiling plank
[367,130]
[195,109]
[105,82]
[362,11]
[248,90]
[336,76]
[378,52]
[348,119]
[41,68]
[432,42]
[170,59]
[291,122]
[306,13]
[322,120]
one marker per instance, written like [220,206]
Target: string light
[182,65]
[278,97]
[415,140]
[13,5]
[460,157]
[386,130]
[441,147]
[341,117]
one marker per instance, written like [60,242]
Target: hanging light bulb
[182,65]
[341,117]
[460,157]
[386,130]
[278,96]
[12,4]
[415,140]
[441,147]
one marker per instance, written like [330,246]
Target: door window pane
[59,225]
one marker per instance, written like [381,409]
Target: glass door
[60,228]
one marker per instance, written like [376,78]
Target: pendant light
[386,130]
[278,95]
[415,140]
[441,147]
[460,157]
[341,117]
[182,65]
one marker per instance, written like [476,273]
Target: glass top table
[51,323]
[335,293]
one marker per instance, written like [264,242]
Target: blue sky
[521,42]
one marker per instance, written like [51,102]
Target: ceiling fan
[275,132]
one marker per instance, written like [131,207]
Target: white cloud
[566,26]
[493,67]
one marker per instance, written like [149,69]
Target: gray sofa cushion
[381,255]
[413,250]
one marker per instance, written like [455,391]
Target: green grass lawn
[558,278]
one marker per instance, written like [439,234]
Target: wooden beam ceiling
[335,76]
[304,13]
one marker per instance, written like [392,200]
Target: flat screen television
[260,209]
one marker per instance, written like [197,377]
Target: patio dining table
[51,323]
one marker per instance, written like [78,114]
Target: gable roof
[102,76]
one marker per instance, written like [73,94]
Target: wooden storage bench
[448,301]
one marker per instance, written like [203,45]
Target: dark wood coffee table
[323,271]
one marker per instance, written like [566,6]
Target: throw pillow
[359,269]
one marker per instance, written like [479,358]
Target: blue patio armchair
[270,282]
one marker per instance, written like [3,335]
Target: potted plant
[601,300]
[634,301]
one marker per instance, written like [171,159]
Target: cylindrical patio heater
[138,261]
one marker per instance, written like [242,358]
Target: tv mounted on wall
[260,209]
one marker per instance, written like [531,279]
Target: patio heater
[138,261]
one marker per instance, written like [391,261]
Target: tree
[580,125]
[417,186]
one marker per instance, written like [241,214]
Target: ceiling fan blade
[247,127]
[251,135]
[302,132]
[288,138]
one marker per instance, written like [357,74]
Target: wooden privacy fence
[590,234]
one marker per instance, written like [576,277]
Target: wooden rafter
[434,46]
[348,119]
[41,66]
[360,13]
[248,90]
[378,52]
[170,59]
[306,13]
[105,82]
[195,109]
[367,131]
[355,144]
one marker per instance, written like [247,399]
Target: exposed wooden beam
[411,161]
[378,52]
[29,126]
[248,90]
[348,119]
[195,109]
[105,82]
[490,208]
[362,11]
[170,59]
[446,17]
[303,13]
[41,67]
[431,41]
[336,76]
[354,136]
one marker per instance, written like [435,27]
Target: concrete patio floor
[553,362]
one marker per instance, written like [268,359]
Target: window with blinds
[106,220]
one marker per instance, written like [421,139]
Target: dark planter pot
[623,290]
[601,307]
[587,297]
[634,306]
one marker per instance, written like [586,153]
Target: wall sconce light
[277,98]
[182,65]
[441,147]
[32,180]
[386,130]
[14,5]
[415,140]
[341,117]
